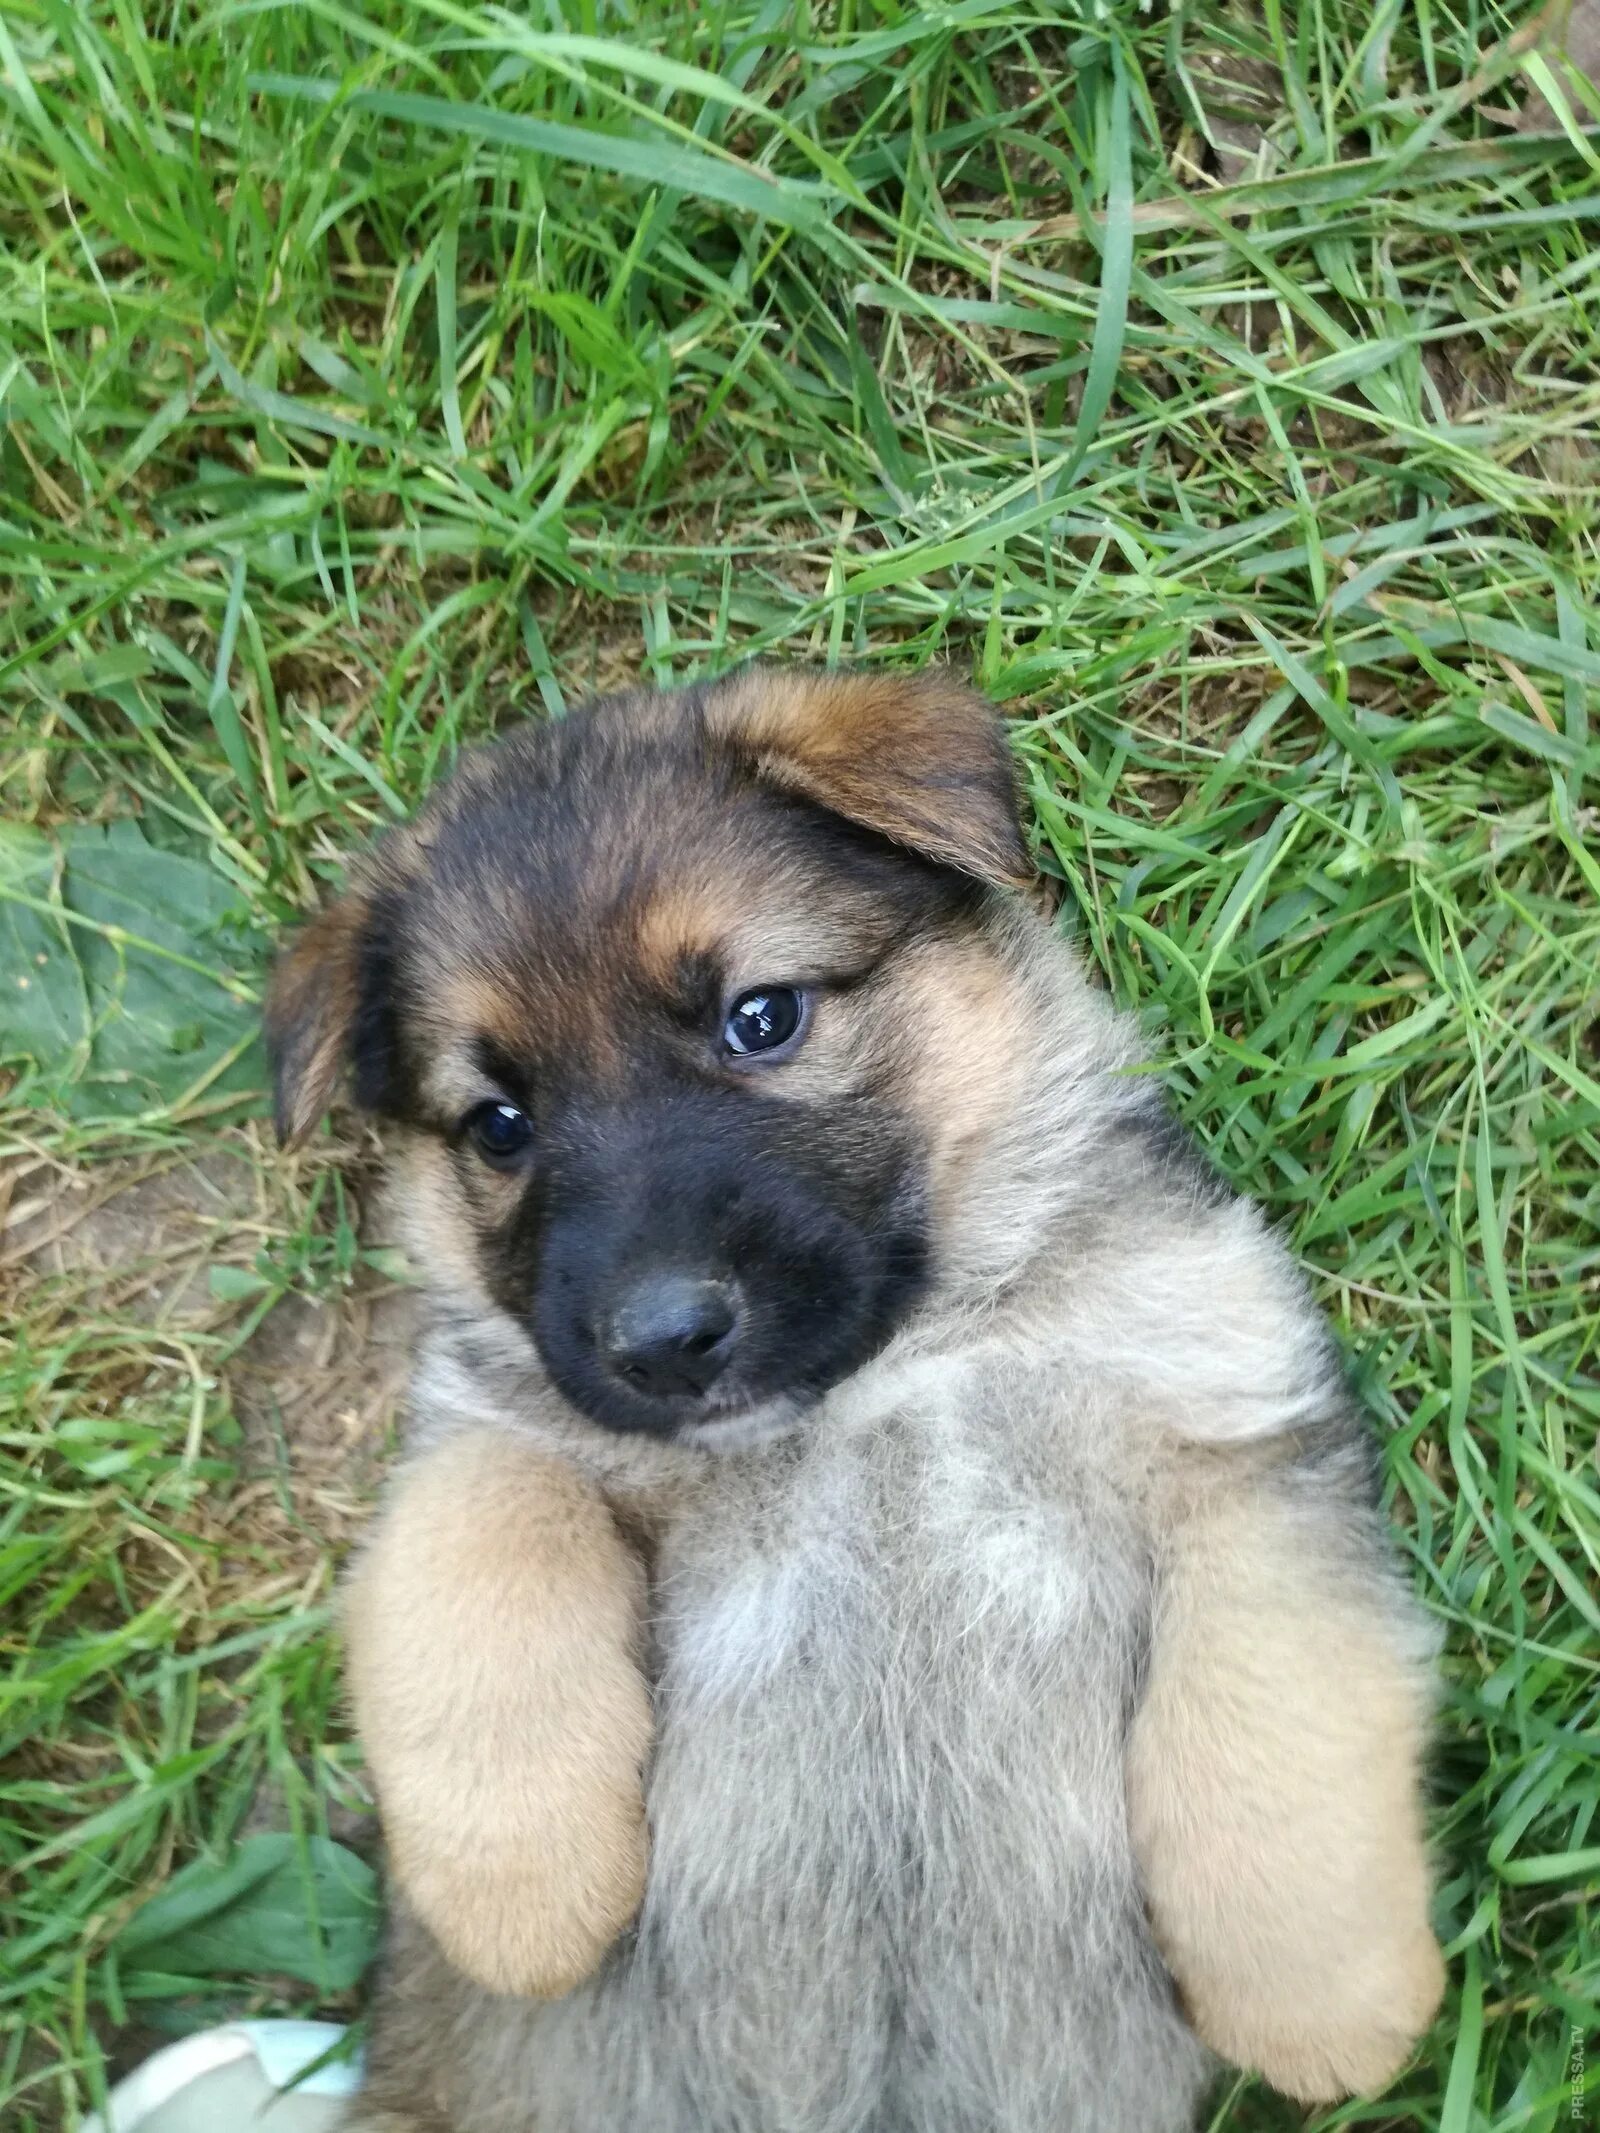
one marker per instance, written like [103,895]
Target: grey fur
[896,1653]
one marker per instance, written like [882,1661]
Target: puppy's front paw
[534,1904]
[1341,2026]
[491,1631]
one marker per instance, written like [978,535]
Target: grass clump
[1218,384]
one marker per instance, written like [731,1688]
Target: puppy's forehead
[573,865]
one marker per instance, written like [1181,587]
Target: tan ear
[916,757]
[312,1004]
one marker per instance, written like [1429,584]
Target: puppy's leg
[1274,1789]
[493,1627]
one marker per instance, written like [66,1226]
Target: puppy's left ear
[916,757]
[314,1003]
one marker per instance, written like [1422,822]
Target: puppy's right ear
[322,991]
[918,758]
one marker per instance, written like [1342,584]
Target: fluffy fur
[512,1790]
[1034,1711]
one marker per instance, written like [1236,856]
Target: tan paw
[492,1627]
[530,1911]
[1320,2035]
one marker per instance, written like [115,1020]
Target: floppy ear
[314,1002]
[916,757]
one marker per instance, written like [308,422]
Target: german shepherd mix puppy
[884,1627]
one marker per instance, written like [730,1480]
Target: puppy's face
[686,1005]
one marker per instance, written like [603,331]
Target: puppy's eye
[499,1132]
[764,1021]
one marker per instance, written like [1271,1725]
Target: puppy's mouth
[738,1429]
[728,1416]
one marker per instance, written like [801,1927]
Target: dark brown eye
[764,1021]
[499,1132]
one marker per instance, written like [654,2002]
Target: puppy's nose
[671,1333]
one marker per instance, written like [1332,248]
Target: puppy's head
[687,1005]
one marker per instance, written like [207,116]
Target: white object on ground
[233,2080]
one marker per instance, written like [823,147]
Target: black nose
[671,1333]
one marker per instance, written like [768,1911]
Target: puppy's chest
[909,1580]
[894,1675]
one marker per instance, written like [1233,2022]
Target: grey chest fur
[890,1888]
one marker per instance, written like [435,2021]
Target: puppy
[855,1440]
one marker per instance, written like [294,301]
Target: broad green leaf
[44,1008]
[299,1907]
[120,971]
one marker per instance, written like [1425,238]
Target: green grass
[374,374]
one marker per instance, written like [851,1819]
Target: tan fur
[917,758]
[430,1212]
[962,1088]
[493,1627]
[701,911]
[310,1006]
[468,1001]
[768,922]
[1273,1790]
